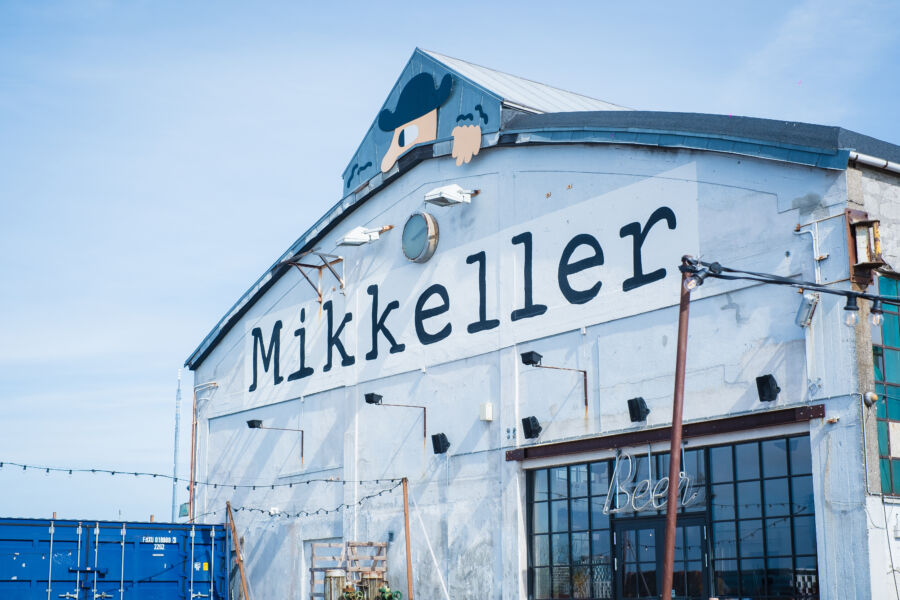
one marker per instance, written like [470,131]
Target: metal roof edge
[827,144]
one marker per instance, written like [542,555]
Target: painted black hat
[419,97]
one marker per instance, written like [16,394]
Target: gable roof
[535,115]
[521,93]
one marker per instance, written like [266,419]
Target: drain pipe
[873,161]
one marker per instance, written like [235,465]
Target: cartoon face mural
[414,120]
[430,104]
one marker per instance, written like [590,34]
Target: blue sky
[156,157]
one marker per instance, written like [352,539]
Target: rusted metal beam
[756,420]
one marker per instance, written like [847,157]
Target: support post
[193,457]
[409,584]
[675,448]
[237,551]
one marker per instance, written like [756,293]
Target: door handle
[102,595]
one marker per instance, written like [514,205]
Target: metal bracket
[329,261]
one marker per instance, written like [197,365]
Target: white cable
[437,567]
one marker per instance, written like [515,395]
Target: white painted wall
[737,210]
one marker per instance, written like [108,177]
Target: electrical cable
[319,511]
[235,486]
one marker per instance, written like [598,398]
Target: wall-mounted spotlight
[807,308]
[449,195]
[373,398]
[362,235]
[851,312]
[531,427]
[440,443]
[533,359]
[767,388]
[258,424]
[637,410]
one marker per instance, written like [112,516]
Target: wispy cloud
[809,67]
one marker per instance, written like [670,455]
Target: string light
[305,513]
[234,486]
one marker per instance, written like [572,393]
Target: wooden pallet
[325,556]
[366,557]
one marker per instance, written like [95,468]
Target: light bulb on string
[695,280]
[877,313]
[851,312]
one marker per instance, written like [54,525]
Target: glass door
[640,549]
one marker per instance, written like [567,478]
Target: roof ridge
[438,56]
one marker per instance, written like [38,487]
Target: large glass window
[748,524]
[886,355]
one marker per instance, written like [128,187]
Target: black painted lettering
[423,313]
[334,338]
[530,309]
[378,325]
[566,268]
[483,323]
[270,357]
[303,371]
[639,235]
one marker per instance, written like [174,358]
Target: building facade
[485,216]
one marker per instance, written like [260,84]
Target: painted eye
[408,135]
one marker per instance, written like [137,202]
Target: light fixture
[440,443]
[851,314]
[258,424]
[531,358]
[877,313]
[362,235]
[375,399]
[531,427]
[807,308]
[637,410]
[767,388]
[869,399]
[695,280]
[448,195]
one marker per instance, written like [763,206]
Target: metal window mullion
[791,511]
[736,518]
[764,513]
[709,570]
[569,524]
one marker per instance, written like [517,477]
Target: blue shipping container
[90,560]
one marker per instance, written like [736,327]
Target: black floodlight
[637,410]
[440,443]
[254,424]
[531,358]
[372,398]
[531,427]
[767,388]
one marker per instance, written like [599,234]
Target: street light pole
[675,448]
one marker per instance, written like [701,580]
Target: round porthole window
[420,237]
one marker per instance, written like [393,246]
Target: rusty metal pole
[675,448]
[238,556]
[409,586]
